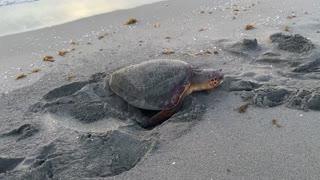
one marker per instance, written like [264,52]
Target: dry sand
[64,122]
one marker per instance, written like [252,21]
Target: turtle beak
[219,75]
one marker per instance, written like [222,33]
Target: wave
[10,2]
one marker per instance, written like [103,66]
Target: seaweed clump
[131,21]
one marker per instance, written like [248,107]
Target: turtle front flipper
[163,115]
[157,119]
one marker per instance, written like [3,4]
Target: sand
[64,122]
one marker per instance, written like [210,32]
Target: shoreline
[53,17]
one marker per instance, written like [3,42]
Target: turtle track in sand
[291,56]
[101,155]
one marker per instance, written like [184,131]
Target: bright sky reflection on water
[43,13]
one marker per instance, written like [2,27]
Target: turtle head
[215,78]
[204,79]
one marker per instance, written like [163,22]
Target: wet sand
[261,123]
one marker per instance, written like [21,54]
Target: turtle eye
[215,79]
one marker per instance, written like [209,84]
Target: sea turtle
[161,85]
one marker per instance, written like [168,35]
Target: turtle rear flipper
[164,115]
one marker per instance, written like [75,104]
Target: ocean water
[11,2]
[18,16]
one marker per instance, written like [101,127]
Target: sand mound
[91,155]
[292,43]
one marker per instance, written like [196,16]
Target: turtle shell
[152,85]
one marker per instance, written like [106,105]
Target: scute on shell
[153,85]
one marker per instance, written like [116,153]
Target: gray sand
[64,122]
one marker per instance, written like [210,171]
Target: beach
[61,120]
